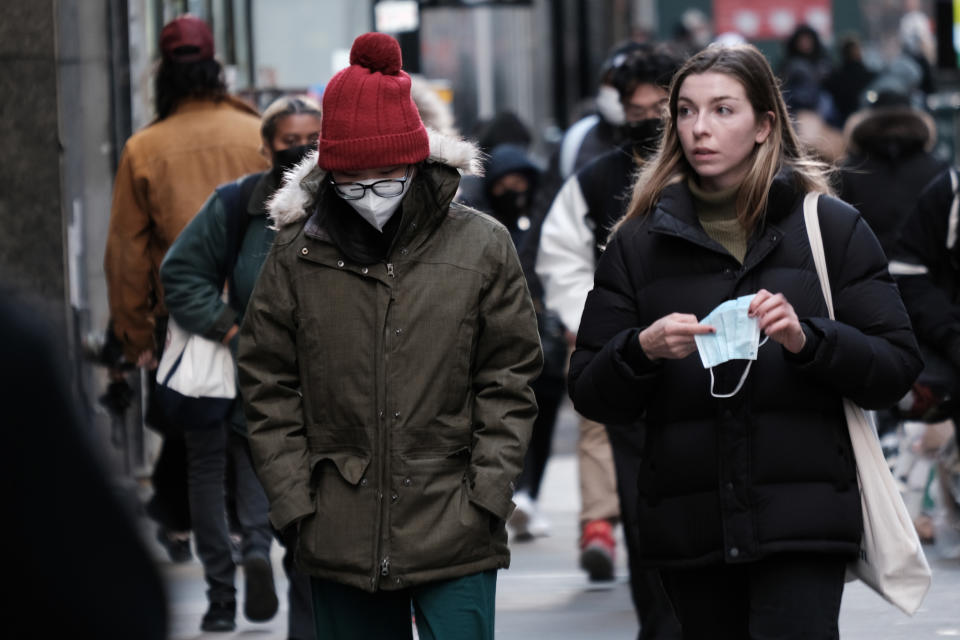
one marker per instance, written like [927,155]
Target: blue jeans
[207,451]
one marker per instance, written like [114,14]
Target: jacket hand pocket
[351,466]
[339,448]
[340,535]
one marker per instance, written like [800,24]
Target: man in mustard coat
[201,138]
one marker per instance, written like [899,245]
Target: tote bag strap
[812,220]
[891,559]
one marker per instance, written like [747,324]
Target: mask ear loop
[743,378]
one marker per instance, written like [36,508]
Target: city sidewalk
[545,596]
[543,593]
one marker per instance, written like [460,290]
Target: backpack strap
[236,198]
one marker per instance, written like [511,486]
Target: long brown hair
[782,148]
[177,81]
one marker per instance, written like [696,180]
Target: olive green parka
[389,404]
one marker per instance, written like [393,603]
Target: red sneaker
[597,547]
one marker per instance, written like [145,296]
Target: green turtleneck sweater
[717,211]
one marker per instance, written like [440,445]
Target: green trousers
[461,609]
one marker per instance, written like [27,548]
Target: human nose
[700,128]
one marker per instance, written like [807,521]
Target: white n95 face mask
[375,209]
[737,338]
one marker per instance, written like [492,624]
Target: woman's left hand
[778,320]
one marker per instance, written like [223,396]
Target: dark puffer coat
[771,469]
[888,165]
[927,267]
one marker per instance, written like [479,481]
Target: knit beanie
[369,119]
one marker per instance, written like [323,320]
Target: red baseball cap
[186,39]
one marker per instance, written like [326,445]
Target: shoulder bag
[196,377]
[891,560]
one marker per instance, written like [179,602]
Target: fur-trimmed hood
[889,131]
[301,183]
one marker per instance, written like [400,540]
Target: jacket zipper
[383,432]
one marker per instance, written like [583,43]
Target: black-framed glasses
[388,188]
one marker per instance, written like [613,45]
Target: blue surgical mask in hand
[737,337]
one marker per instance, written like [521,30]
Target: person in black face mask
[290,129]
[510,183]
[227,242]
[643,135]
[573,235]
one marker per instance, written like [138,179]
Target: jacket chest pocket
[435,322]
[458,380]
[336,342]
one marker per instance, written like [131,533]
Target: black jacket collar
[676,216]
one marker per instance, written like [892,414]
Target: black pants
[549,393]
[784,596]
[170,504]
[650,601]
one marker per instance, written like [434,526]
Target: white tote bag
[196,379]
[891,558]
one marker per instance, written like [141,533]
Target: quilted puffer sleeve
[610,375]
[270,385]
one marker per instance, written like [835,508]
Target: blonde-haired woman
[748,493]
[228,240]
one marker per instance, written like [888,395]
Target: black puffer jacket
[889,163]
[927,267]
[606,185]
[770,469]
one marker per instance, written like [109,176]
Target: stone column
[32,239]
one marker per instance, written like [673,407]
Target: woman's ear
[265,150]
[764,126]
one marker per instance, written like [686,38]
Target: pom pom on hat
[369,119]
[377,52]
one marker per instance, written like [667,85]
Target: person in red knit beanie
[385,362]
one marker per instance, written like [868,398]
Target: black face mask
[644,135]
[509,205]
[289,158]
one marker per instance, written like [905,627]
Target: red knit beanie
[369,119]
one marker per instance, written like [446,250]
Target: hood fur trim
[456,152]
[288,205]
[879,125]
